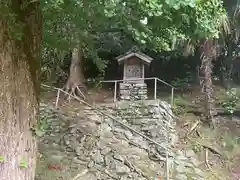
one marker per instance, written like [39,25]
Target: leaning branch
[211,148]
[208,165]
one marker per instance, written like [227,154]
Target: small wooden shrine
[133,66]
[133,85]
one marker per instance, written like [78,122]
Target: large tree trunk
[19,90]
[76,77]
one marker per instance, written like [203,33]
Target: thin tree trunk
[209,52]
[197,58]
[206,85]
[227,64]
[19,91]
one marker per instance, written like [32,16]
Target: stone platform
[88,145]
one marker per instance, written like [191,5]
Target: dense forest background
[179,64]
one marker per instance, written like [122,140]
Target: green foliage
[96,83]
[2,159]
[231,101]
[177,110]
[40,129]
[152,24]
[208,18]
[196,147]
[180,106]
[100,63]
[23,164]
[230,143]
[181,82]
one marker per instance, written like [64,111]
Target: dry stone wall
[96,147]
[133,91]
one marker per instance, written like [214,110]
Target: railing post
[167,151]
[155,88]
[57,98]
[172,97]
[115,91]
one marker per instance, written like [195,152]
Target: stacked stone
[125,91]
[139,92]
[106,150]
[133,91]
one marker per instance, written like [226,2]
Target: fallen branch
[85,171]
[198,133]
[208,165]
[185,124]
[194,127]
[206,159]
[108,174]
[211,148]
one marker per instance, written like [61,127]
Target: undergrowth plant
[2,159]
[231,101]
[180,106]
[96,83]
[181,83]
[23,164]
[41,127]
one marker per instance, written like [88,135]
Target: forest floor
[217,149]
[223,141]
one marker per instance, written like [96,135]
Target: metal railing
[156,80]
[136,79]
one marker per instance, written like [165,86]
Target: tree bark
[227,66]
[19,90]
[208,53]
[76,76]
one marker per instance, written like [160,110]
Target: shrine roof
[140,55]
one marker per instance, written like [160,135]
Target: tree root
[75,91]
